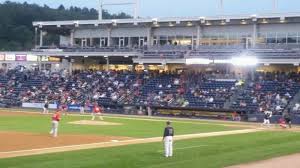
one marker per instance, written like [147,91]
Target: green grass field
[130,128]
[210,152]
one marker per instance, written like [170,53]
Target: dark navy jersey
[169,131]
[46,105]
[267,116]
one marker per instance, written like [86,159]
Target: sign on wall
[10,57]
[32,58]
[21,57]
[2,57]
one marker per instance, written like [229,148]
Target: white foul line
[189,147]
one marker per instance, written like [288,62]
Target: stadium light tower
[136,4]
[221,6]
[275,6]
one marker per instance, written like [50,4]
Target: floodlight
[226,61]
[244,61]
[203,61]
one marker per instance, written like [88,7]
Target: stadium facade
[273,39]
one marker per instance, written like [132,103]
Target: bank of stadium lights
[199,61]
[223,22]
[171,24]
[85,56]
[282,19]
[244,60]
[264,21]
[135,3]
[189,24]
[76,23]
[114,22]
[207,23]
[155,22]
[243,21]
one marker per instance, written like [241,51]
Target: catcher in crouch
[97,111]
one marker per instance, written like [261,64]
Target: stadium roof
[202,19]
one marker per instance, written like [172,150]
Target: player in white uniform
[168,140]
[267,116]
[45,108]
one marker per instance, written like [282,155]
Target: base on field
[95,122]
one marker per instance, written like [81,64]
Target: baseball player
[168,139]
[64,109]
[282,123]
[287,119]
[97,111]
[82,106]
[267,116]
[46,107]
[55,121]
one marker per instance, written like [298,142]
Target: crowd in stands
[266,91]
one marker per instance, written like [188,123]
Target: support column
[109,37]
[199,35]
[35,37]
[107,63]
[254,35]
[41,38]
[91,42]
[149,37]
[72,37]
[139,42]
[39,62]
[129,42]
[71,67]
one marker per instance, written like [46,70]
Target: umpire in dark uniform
[287,118]
[168,139]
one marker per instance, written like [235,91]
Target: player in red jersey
[56,117]
[282,123]
[64,109]
[97,111]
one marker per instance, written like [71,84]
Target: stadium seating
[266,91]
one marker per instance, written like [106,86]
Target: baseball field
[136,142]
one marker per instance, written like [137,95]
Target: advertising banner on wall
[2,57]
[44,59]
[32,58]
[10,57]
[54,59]
[21,57]
[75,108]
[38,105]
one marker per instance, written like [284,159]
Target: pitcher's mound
[90,122]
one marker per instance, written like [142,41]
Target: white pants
[54,128]
[266,122]
[45,110]
[168,146]
[82,110]
[97,114]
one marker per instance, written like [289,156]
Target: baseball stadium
[83,88]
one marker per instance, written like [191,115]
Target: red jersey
[97,109]
[56,116]
[281,121]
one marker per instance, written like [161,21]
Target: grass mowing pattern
[130,128]
[219,152]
